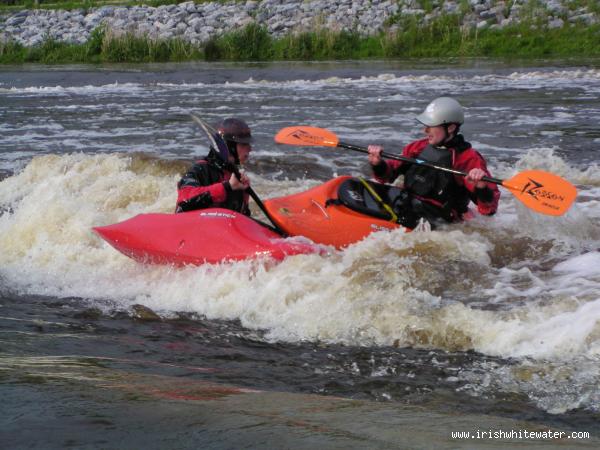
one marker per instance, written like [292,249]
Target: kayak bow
[211,236]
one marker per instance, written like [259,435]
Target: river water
[395,342]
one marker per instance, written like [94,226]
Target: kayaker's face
[437,135]
[243,151]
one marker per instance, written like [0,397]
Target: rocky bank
[200,22]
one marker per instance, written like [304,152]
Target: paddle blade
[543,192]
[307,136]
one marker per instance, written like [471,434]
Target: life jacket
[437,188]
[205,172]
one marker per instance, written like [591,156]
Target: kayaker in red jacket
[434,194]
[210,182]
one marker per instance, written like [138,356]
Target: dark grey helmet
[235,130]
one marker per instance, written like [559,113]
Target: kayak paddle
[217,140]
[541,191]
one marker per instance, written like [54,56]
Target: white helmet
[442,111]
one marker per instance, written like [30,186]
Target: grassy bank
[101,47]
[442,38]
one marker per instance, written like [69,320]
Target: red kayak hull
[197,237]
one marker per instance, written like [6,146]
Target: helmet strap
[448,136]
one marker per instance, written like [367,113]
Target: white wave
[417,289]
[571,74]
[586,265]
[113,88]
[538,119]
[524,79]
[547,159]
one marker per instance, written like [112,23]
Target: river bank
[301,30]
[253,43]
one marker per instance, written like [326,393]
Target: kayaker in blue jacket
[210,182]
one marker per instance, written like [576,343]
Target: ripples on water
[498,316]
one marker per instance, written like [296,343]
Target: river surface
[395,342]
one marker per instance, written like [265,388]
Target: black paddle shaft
[260,204]
[416,161]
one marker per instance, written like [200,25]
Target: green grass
[442,38]
[251,43]
[130,48]
[101,47]
[325,44]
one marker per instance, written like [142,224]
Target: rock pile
[197,23]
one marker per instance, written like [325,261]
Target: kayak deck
[317,215]
[211,235]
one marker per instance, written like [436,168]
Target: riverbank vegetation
[443,37]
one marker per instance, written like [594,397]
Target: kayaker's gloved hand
[242,183]
[375,154]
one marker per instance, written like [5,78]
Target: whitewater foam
[441,289]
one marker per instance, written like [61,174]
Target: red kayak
[206,236]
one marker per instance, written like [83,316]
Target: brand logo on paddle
[537,191]
[306,137]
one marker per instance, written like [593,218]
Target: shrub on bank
[251,43]
[131,48]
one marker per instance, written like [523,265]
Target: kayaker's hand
[474,176]
[242,183]
[375,154]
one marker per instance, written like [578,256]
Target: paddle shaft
[417,161]
[260,204]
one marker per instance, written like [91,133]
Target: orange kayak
[339,212]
